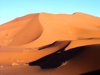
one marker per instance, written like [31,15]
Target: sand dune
[42,37]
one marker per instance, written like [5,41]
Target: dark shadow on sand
[56,59]
[97,72]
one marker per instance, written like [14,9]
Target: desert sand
[32,37]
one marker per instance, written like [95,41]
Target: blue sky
[11,9]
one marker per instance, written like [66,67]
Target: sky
[11,9]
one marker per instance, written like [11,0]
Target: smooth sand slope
[29,38]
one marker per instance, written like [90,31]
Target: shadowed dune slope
[29,33]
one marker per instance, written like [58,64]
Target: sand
[22,38]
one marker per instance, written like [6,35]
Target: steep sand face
[21,38]
[29,33]
[10,29]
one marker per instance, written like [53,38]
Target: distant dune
[50,44]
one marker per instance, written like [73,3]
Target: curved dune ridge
[45,39]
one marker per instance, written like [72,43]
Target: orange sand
[21,38]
